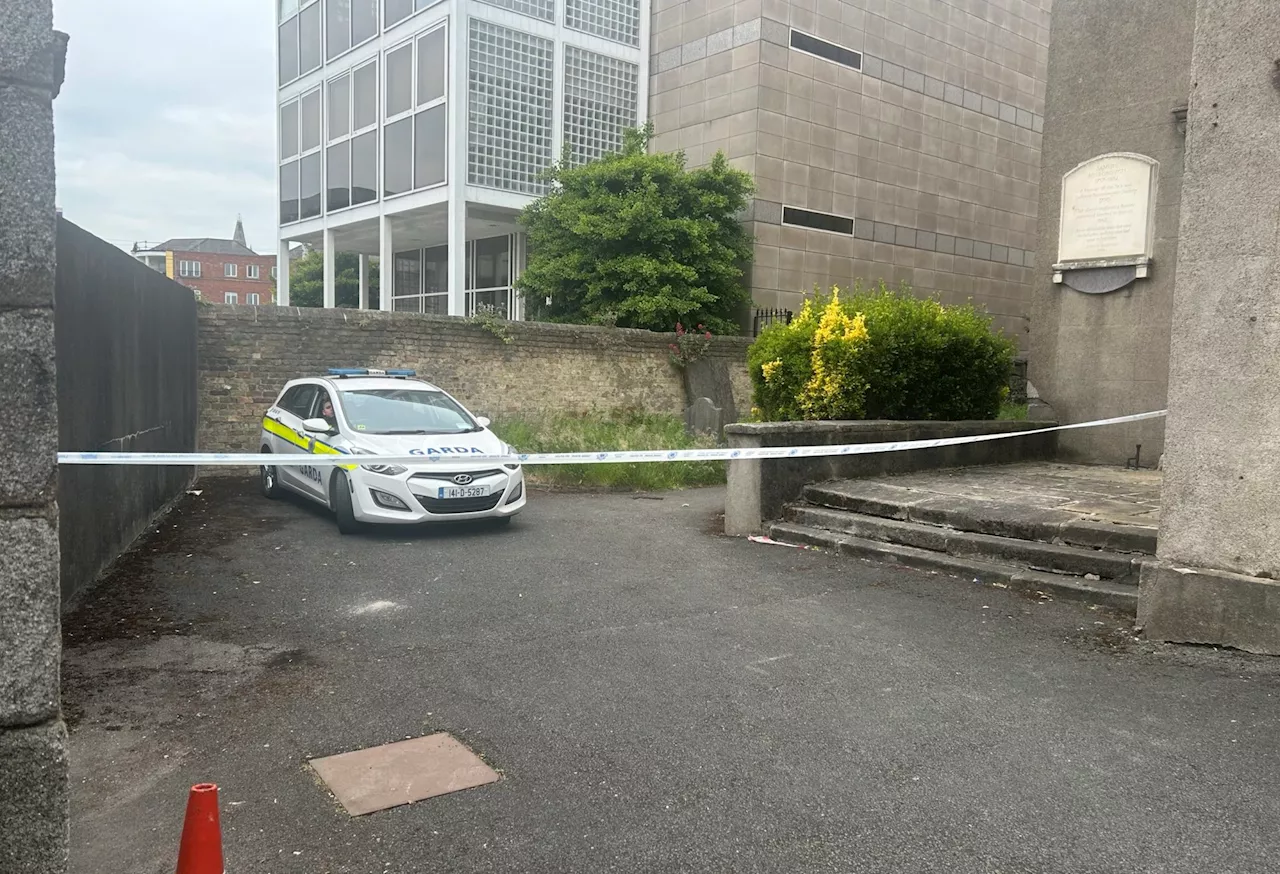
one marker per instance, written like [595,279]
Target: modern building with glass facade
[416,130]
[888,139]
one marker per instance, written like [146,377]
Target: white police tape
[231,459]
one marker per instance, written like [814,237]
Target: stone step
[1013,520]
[1035,555]
[1114,596]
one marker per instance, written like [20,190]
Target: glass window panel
[618,20]
[289,129]
[309,38]
[601,100]
[339,107]
[433,60]
[509,108]
[309,185]
[429,146]
[288,8]
[339,175]
[364,168]
[289,50]
[544,9]
[366,95]
[397,172]
[436,304]
[492,257]
[397,10]
[364,20]
[289,193]
[309,121]
[435,270]
[423,4]
[337,29]
[408,273]
[400,80]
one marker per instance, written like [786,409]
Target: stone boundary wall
[759,488]
[247,353]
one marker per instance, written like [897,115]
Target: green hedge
[880,354]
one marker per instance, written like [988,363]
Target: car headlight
[384,469]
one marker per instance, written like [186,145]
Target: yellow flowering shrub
[880,354]
[835,390]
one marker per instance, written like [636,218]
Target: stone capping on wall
[759,488]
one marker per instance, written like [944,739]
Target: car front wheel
[269,478]
[340,500]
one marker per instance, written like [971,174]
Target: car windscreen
[404,411]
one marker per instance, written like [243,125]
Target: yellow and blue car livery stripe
[308,444]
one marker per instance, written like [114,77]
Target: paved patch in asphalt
[656,697]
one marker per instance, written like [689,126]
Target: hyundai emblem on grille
[462,479]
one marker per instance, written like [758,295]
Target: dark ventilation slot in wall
[828,50]
[819,221]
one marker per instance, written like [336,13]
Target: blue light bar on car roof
[370,371]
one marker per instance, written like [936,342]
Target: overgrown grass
[1012,412]
[604,432]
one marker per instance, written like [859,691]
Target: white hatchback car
[362,411]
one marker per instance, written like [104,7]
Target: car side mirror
[317,426]
[483,421]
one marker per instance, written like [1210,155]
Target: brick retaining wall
[247,353]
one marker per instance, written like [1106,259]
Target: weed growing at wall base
[605,432]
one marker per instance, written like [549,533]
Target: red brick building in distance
[218,271]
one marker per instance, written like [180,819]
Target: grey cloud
[166,122]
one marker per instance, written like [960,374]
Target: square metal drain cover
[399,773]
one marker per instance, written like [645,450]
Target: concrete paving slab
[399,773]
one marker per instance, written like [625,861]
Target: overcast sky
[165,123]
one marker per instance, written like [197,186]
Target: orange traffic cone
[201,849]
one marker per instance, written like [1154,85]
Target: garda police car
[361,411]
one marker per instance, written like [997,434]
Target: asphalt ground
[657,698]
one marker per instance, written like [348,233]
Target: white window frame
[299,154]
[230,297]
[252,299]
[324,15]
[351,135]
[383,24]
[189,268]
[515,266]
[252,271]
[273,272]
[230,271]
[294,16]
[413,110]
[420,294]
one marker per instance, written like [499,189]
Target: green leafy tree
[306,280]
[637,240]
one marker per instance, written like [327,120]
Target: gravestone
[704,417]
[709,378]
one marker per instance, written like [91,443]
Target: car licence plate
[463,492]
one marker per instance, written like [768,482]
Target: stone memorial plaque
[1107,211]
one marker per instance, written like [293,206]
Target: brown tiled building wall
[246,354]
[933,147]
